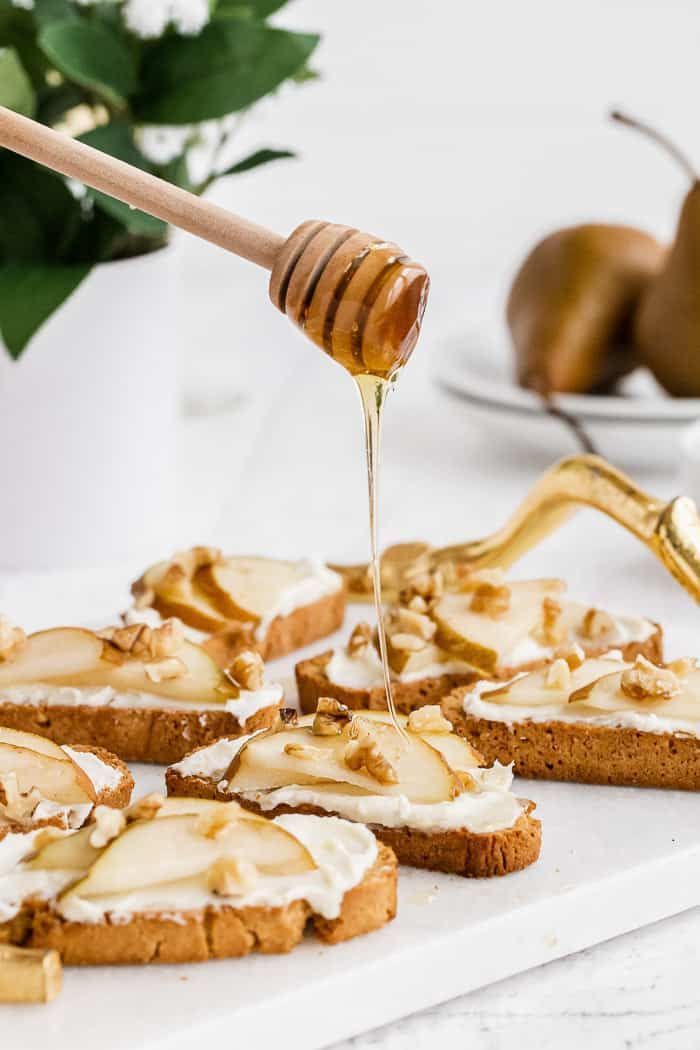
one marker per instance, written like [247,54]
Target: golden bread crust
[210,933]
[574,751]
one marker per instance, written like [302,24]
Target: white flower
[26,4]
[150,18]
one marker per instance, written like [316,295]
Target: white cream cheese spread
[490,806]
[243,706]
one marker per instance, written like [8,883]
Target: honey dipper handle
[139,189]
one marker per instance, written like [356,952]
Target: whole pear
[571,306]
[667,322]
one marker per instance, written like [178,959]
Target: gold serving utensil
[29,975]
[670,530]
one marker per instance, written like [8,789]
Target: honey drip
[373,394]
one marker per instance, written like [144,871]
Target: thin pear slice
[72,851]
[605,694]
[457,752]
[57,780]
[485,641]
[173,848]
[57,655]
[247,588]
[32,742]
[295,755]
[177,595]
[203,682]
[532,690]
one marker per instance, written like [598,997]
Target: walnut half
[646,681]
[363,751]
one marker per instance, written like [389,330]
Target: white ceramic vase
[88,423]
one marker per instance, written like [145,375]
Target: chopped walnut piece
[229,876]
[139,641]
[469,581]
[646,681]
[109,823]
[165,670]
[491,599]
[558,676]
[407,643]
[331,717]
[551,631]
[418,604]
[574,656]
[428,719]
[16,805]
[426,585]
[596,625]
[147,807]
[216,822]
[248,670]
[409,621]
[11,640]
[360,638]
[363,750]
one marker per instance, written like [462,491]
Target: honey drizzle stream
[373,394]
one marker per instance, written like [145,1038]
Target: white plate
[640,426]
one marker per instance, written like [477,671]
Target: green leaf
[38,211]
[46,11]
[254,160]
[117,139]
[17,30]
[249,8]
[92,56]
[16,91]
[230,65]
[29,294]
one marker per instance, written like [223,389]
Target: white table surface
[298,486]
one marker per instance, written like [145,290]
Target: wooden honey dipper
[358,298]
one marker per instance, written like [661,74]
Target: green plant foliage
[16,91]
[228,67]
[29,294]
[77,65]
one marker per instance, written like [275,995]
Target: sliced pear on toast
[72,851]
[295,756]
[176,594]
[532,689]
[57,655]
[173,848]
[247,588]
[483,640]
[605,695]
[57,780]
[202,682]
[409,661]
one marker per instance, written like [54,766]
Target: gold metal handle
[670,530]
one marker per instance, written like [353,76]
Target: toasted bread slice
[284,634]
[431,769]
[577,747]
[137,734]
[113,790]
[244,602]
[313,683]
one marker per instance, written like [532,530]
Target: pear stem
[571,422]
[662,140]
